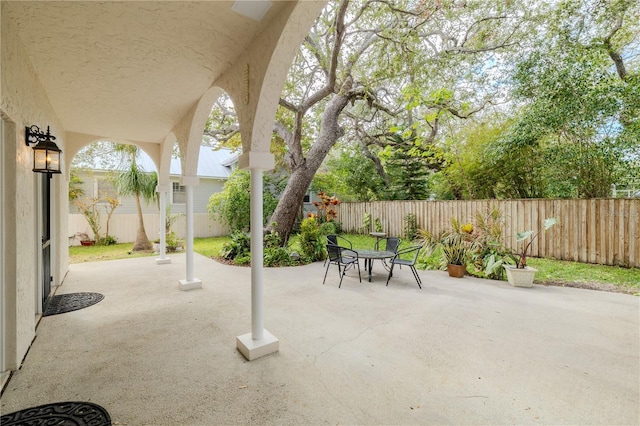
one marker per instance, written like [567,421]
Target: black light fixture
[46,154]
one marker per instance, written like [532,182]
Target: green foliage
[108,240]
[489,252]
[531,235]
[330,228]
[75,185]
[455,249]
[312,240]
[454,244]
[366,223]
[409,163]
[134,181]
[238,248]
[410,227]
[352,175]
[172,241]
[89,208]
[232,205]
[377,225]
[274,253]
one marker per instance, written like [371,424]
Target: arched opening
[112,195]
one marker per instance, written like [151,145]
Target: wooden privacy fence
[604,231]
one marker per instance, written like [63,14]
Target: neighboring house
[214,168]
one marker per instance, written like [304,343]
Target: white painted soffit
[130,70]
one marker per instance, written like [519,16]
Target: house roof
[212,163]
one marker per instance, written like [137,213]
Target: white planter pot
[520,277]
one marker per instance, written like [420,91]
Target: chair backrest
[414,249]
[392,244]
[339,241]
[333,251]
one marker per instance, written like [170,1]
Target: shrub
[328,228]
[232,204]
[312,240]
[410,227]
[106,241]
[489,252]
[238,249]
[274,254]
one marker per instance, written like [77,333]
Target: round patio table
[370,255]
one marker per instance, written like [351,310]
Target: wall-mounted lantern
[46,154]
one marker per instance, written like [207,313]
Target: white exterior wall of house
[25,103]
[124,222]
[214,167]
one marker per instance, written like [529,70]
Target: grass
[209,247]
[80,254]
[557,272]
[560,271]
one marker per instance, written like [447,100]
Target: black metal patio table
[370,255]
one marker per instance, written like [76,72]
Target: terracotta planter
[456,271]
[520,277]
[87,243]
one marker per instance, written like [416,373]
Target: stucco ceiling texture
[130,69]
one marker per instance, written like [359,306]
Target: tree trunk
[303,172]
[142,241]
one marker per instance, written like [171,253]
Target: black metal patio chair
[391,244]
[338,240]
[344,258]
[397,260]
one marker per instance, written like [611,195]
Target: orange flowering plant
[326,206]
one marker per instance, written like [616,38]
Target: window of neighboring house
[307,197]
[178,193]
[105,189]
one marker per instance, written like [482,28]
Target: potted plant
[455,250]
[521,275]
[85,240]
[456,245]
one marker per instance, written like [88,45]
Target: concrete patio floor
[459,351]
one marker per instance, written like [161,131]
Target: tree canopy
[454,99]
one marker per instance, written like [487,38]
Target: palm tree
[135,181]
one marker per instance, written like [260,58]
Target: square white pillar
[252,349]
[190,285]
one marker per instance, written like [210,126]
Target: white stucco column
[191,282]
[259,342]
[162,191]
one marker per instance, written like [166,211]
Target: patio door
[46,239]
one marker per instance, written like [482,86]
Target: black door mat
[60,414]
[71,302]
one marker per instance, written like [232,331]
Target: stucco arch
[165,158]
[76,141]
[255,81]
[191,128]
[285,50]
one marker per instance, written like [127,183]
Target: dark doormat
[71,302]
[60,414]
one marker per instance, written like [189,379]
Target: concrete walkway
[459,351]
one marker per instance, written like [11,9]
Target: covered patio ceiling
[132,70]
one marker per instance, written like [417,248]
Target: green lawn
[80,254]
[550,271]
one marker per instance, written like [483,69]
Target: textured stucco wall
[24,102]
